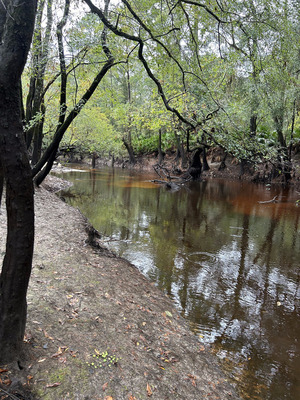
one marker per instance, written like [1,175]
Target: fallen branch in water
[167,178]
[268,201]
[160,170]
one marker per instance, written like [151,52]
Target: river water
[230,263]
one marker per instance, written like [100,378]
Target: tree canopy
[221,73]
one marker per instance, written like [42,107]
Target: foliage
[219,66]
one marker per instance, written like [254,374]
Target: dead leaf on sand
[149,391]
[52,385]
[3,370]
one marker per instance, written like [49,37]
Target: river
[230,263]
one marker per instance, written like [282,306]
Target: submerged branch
[269,201]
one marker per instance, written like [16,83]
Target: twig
[165,171]
[268,201]
[12,396]
[5,8]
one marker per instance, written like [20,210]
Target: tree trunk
[196,165]
[39,60]
[16,28]
[44,165]
[223,164]
[1,183]
[253,125]
[17,262]
[129,148]
[38,137]
[184,160]
[181,152]
[160,152]
[178,151]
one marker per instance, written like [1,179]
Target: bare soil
[97,328]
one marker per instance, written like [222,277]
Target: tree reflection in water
[230,263]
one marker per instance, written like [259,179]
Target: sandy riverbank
[98,329]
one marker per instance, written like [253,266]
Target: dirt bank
[98,329]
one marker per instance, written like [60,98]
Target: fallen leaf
[58,353]
[51,385]
[104,387]
[6,382]
[168,314]
[47,336]
[42,360]
[3,370]
[131,397]
[193,379]
[108,398]
[149,391]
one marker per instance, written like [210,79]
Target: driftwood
[167,179]
[163,173]
[269,201]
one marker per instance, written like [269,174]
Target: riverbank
[98,329]
[220,167]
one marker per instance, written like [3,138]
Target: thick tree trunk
[16,267]
[1,183]
[16,28]
[196,165]
[130,151]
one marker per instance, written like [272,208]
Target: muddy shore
[97,328]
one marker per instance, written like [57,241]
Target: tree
[42,168]
[16,29]
[35,108]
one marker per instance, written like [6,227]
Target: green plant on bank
[102,360]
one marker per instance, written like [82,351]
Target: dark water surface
[231,264]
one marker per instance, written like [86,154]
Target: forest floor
[97,328]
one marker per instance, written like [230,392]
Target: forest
[127,78]
[123,80]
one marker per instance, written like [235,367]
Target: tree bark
[205,163]
[196,166]
[1,183]
[160,152]
[130,151]
[17,22]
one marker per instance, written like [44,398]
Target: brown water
[230,263]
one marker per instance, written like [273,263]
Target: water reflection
[230,263]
